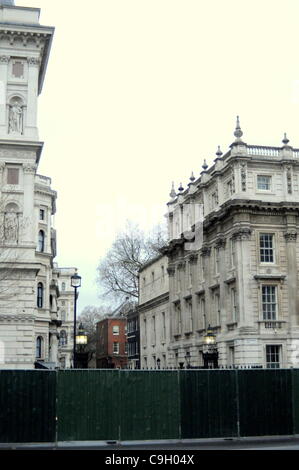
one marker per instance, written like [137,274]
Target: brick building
[111,348]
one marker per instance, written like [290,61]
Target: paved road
[279,443]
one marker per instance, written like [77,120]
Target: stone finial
[238,131]
[181,189]
[205,165]
[172,192]
[192,177]
[219,153]
[285,140]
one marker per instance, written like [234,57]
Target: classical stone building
[66,316]
[154,313]
[233,258]
[28,280]
[133,338]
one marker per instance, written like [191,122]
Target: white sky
[139,92]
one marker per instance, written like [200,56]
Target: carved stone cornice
[29,168]
[290,236]
[181,265]
[206,251]
[220,242]
[4,59]
[171,271]
[241,234]
[33,61]
[193,258]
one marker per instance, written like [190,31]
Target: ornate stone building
[154,313]
[28,280]
[236,267]
[66,316]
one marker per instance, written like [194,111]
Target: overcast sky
[139,92]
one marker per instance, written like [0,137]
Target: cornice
[153,302]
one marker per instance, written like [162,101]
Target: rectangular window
[231,356]
[269,302]
[266,248]
[42,214]
[273,353]
[13,176]
[264,183]
[115,330]
[115,348]
[233,304]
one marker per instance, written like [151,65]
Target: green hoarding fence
[113,405]
[208,403]
[27,406]
[265,402]
[88,405]
[151,408]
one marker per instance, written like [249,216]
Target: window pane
[273,356]
[264,182]
[266,248]
[12,176]
[269,302]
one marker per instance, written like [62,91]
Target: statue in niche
[16,118]
[11,227]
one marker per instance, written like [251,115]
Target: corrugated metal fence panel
[265,402]
[295,375]
[88,405]
[27,406]
[150,405]
[208,403]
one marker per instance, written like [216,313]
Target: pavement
[252,443]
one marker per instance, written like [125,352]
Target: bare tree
[89,317]
[132,248]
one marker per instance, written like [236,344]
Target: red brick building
[112,340]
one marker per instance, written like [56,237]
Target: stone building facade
[154,314]
[28,279]
[233,258]
[66,316]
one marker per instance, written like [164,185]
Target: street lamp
[75,283]
[188,358]
[81,338]
[210,352]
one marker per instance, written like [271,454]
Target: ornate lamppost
[210,351]
[75,283]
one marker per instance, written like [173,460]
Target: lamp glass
[76,280]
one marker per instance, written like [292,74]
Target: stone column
[53,353]
[244,290]
[4,62]
[292,284]
[30,127]
[28,232]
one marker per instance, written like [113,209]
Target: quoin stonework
[233,257]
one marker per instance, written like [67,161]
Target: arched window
[40,295]
[62,338]
[41,241]
[39,347]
